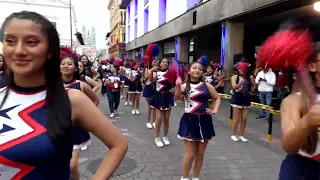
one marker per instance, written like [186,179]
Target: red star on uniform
[37,128]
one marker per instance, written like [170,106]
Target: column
[161,46]
[231,43]
[182,49]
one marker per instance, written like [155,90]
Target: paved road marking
[125,134]
[125,130]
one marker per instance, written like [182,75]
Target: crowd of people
[49,105]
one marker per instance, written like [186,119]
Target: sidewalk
[224,159]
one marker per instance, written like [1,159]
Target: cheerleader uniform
[302,166]
[242,98]
[148,90]
[162,98]
[210,79]
[113,91]
[81,137]
[88,72]
[127,81]
[26,150]
[135,85]
[196,124]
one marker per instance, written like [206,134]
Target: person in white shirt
[266,80]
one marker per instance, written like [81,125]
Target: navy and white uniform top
[114,81]
[162,83]
[210,79]
[198,98]
[26,150]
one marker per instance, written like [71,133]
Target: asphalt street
[224,159]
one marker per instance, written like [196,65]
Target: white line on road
[82,160]
[125,134]
[125,130]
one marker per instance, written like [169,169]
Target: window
[194,18]
[146,2]
[191,59]
[169,48]
[146,20]
[125,18]
[121,18]
[191,45]
[135,28]
[124,37]
[128,10]
[129,33]
[135,7]
[162,11]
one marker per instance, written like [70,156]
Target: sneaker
[234,138]
[195,178]
[243,139]
[126,103]
[260,117]
[84,148]
[121,97]
[115,112]
[154,125]
[137,111]
[175,104]
[166,141]
[133,112]
[111,115]
[130,103]
[149,125]
[158,142]
[184,178]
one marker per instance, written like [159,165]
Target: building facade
[57,11]
[220,29]
[117,38]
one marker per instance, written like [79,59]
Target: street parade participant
[209,78]
[127,72]
[242,85]
[34,99]
[196,127]
[293,47]
[135,86]
[219,78]
[95,86]
[123,79]
[148,92]
[101,70]
[70,75]
[89,70]
[162,101]
[112,82]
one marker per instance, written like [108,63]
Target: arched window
[121,16]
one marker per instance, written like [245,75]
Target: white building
[57,11]
[146,15]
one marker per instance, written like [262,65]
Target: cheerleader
[122,79]
[209,78]
[95,86]
[39,107]
[101,70]
[112,82]
[70,75]
[135,86]
[148,92]
[89,70]
[196,127]
[219,78]
[243,85]
[127,72]
[162,101]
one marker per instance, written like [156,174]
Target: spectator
[266,80]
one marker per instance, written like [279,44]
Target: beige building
[117,36]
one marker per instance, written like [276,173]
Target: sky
[95,13]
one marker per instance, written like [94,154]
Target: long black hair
[83,73]
[2,67]
[88,65]
[59,125]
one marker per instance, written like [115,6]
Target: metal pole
[71,34]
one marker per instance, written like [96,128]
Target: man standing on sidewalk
[266,80]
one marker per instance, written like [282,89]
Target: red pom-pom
[118,62]
[111,59]
[66,52]
[147,60]
[149,49]
[132,64]
[104,62]
[285,49]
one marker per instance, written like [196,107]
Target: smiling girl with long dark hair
[41,112]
